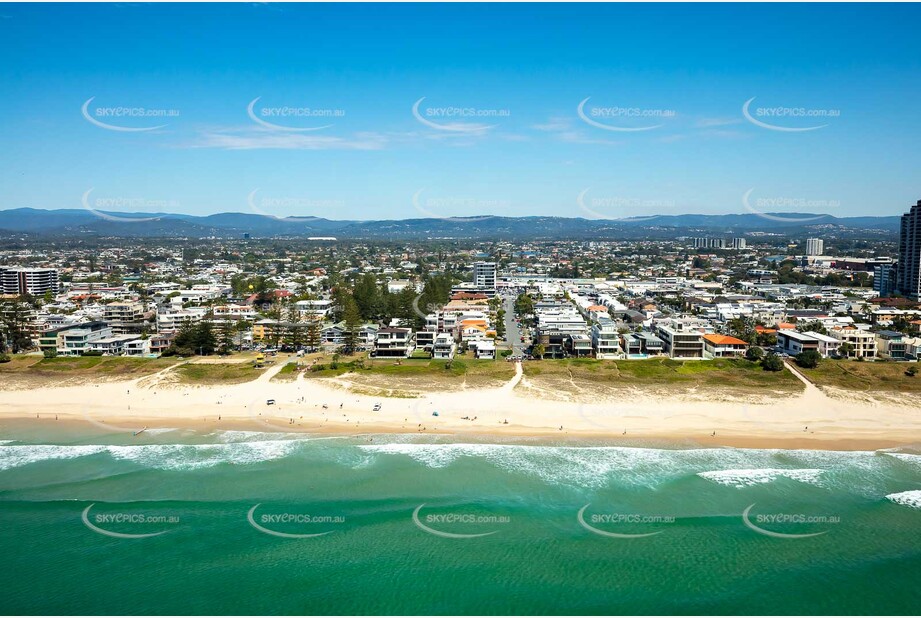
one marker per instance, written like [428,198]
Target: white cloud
[708,123]
[263,139]
[562,129]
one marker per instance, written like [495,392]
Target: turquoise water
[524,498]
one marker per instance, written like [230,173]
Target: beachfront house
[112,346]
[484,349]
[606,340]
[443,346]
[862,343]
[828,345]
[723,346]
[680,340]
[891,344]
[393,343]
[794,342]
[74,340]
[579,344]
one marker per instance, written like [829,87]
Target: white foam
[587,466]
[157,456]
[758,476]
[907,457]
[233,436]
[24,454]
[908,498]
[160,430]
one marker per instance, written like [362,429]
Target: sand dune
[514,409]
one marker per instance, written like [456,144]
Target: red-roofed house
[723,346]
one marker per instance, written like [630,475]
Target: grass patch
[217,373]
[418,373]
[18,362]
[864,376]
[91,365]
[722,373]
[288,373]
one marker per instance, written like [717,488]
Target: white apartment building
[76,341]
[235,312]
[862,341]
[443,346]
[828,346]
[815,246]
[606,340]
[116,345]
[124,317]
[318,308]
[484,275]
[34,281]
[681,340]
[170,321]
[793,342]
[394,342]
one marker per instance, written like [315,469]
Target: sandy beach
[808,420]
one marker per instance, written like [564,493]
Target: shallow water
[497,526]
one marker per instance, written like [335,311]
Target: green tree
[353,322]
[754,353]
[538,350]
[204,339]
[314,333]
[403,307]
[815,326]
[500,323]
[524,305]
[772,362]
[225,337]
[808,359]
[742,328]
[294,327]
[367,297]
[15,325]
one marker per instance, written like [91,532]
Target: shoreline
[512,435]
[810,420]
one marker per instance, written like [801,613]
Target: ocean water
[229,522]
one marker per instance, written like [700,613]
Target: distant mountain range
[77,222]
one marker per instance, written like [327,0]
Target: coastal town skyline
[461,309]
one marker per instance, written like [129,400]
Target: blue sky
[685,70]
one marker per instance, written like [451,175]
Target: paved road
[512,332]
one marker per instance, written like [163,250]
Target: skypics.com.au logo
[456,119]
[780,117]
[282,208]
[285,118]
[293,524]
[622,119]
[123,118]
[759,205]
[620,207]
[618,525]
[458,524]
[436,207]
[126,524]
[771,524]
[96,206]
